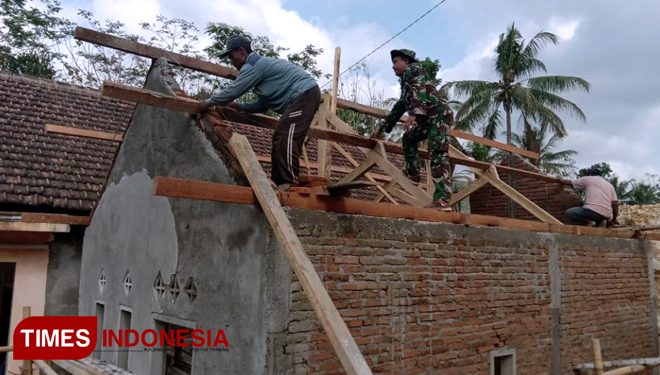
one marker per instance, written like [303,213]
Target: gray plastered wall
[226,250]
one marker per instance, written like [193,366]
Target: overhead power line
[389,40]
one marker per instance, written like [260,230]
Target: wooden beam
[369,176]
[239,194]
[25,238]
[69,130]
[381,113]
[333,324]
[335,80]
[455,198]
[494,144]
[336,168]
[36,217]
[359,171]
[144,50]
[379,155]
[142,96]
[324,148]
[21,226]
[385,191]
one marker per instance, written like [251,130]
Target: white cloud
[472,65]
[566,30]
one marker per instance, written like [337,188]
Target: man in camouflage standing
[429,119]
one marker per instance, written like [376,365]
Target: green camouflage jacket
[418,97]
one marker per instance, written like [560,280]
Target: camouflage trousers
[436,131]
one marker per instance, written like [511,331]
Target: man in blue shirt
[281,86]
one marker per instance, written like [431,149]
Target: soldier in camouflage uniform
[429,119]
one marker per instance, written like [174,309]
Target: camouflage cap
[405,53]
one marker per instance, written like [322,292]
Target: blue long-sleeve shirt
[275,82]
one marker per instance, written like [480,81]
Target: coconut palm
[535,139]
[535,97]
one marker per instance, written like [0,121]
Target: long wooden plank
[69,130]
[37,217]
[218,192]
[142,96]
[144,50]
[21,226]
[381,113]
[333,324]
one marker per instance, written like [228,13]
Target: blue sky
[608,43]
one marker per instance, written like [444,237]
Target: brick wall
[425,298]
[553,198]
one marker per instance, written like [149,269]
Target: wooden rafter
[144,50]
[334,326]
[142,96]
[381,113]
[139,49]
[368,176]
[179,188]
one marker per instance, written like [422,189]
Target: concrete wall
[226,250]
[429,298]
[29,285]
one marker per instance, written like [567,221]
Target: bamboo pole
[598,359]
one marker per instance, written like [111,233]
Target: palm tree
[622,188]
[517,88]
[643,193]
[550,162]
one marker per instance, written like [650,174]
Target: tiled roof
[43,169]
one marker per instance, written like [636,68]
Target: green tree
[89,65]
[605,169]
[535,139]
[221,32]
[536,98]
[28,35]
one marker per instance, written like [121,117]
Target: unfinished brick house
[420,292]
[419,297]
[49,184]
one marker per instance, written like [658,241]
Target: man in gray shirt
[281,86]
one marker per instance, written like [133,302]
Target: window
[503,362]
[100,316]
[124,324]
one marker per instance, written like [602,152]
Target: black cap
[234,42]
